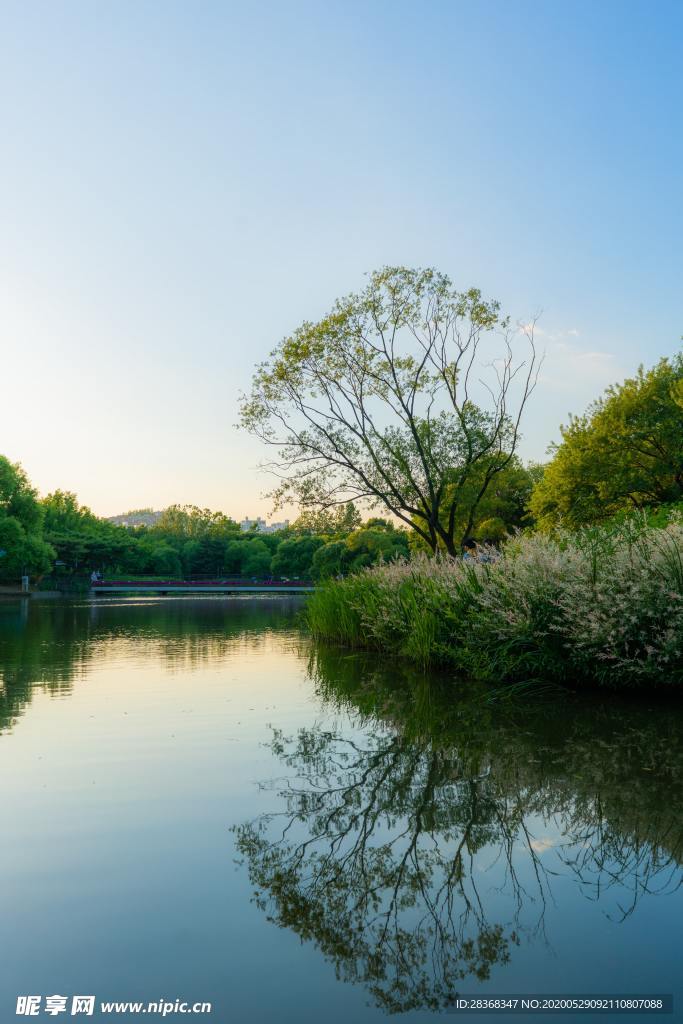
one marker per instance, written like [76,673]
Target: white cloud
[541,845]
[572,375]
[544,334]
[571,369]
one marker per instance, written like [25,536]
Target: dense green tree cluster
[625,453]
[376,541]
[23,548]
[80,539]
[500,510]
[59,536]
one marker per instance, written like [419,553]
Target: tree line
[56,535]
[406,399]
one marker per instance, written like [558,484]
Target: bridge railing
[199,581]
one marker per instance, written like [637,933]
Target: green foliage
[18,500]
[159,557]
[204,556]
[373,544]
[329,560]
[377,541]
[373,402]
[335,611]
[625,453]
[256,559]
[600,607]
[188,541]
[234,555]
[25,551]
[337,521]
[294,557]
[501,509]
[189,521]
[81,540]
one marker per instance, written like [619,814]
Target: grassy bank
[602,607]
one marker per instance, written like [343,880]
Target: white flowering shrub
[603,606]
[622,623]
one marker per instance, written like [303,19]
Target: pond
[200,805]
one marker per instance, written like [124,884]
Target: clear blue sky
[183,183]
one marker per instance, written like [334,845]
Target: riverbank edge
[544,610]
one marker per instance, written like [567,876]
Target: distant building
[261,526]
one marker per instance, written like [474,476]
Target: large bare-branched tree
[376,402]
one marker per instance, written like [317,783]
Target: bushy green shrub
[602,607]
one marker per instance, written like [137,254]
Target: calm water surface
[200,806]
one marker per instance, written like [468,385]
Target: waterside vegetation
[601,607]
[59,538]
[381,401]
[579,576]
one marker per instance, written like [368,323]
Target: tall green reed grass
[602,607]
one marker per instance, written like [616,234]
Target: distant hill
[136,517]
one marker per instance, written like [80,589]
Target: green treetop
[626,452]
[24,550]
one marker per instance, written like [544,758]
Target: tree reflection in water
[49,645]
[409,842]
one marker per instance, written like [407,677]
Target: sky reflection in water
[208,776]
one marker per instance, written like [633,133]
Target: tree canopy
[81,539]
[626,452]
[502,508]
[375,402]
[23,547]
[57,534]
[341,519]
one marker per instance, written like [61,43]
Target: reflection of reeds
[381,835]
[601,607]
[614,768]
